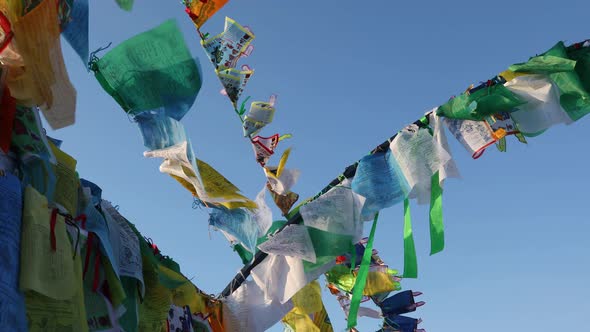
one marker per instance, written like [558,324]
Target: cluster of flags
[75,263]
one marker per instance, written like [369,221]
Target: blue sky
[348,75]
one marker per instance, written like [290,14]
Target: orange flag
[201,10]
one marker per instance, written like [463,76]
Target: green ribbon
[501,145]
[353,258]
[410,261]
[437,229]
[361,278]
[521,138]
[242,109]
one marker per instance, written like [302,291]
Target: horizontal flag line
[260,256]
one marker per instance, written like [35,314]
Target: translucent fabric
[322,321]
[293,241]
[75,30]
[202,180]
[221,191]
[246,255]
[158,130]
[238,223]
[309,298]
[67,182]
[296,320]
[262,213]
[45,82]
[225,49]
[281,277]
[151,70]
[306,302]
[338,211]
[68,315]
[248,309]
[447,169]
[419,156]
[156,302]
[344,299]
[379,280]
[341,277]
[39,262]
[475,136]
[574,99]
[181,166]
[381,181]
[284,182]
[259,218]
[201,11]
[261,113]
[50,279]
[542,109]
[327,246]
[480,103]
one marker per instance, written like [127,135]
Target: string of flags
[74,263]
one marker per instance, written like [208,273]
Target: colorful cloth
[153,70]
[380,180]
[225,49]
[542,109]
[12,303]
[555,63]
[478,103]
[75,29]
[200,11]
[261,114]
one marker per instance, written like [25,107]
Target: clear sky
[349,74]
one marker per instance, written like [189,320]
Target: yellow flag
[378,282]
[299,321]
[156,303]
[183,291]
[283,162]
[66,187]
[221,190]
[322,321]
[51,280]
[510,75]
[44,270]
[309,298]
[47,314]
[307,304]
